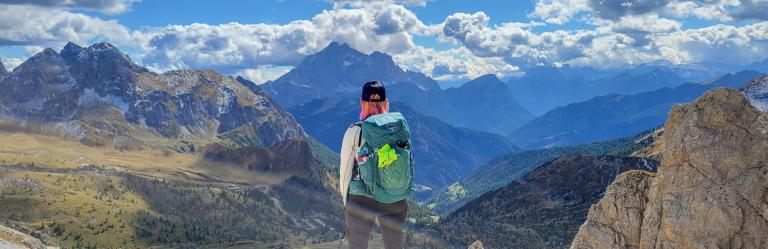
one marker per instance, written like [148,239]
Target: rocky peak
[3,72]
[756,91]
[103,68]
[711,189]
[250,85]
[71,49]
[336,47]
[45,73]
[338,71]
[97,53]
[485,81]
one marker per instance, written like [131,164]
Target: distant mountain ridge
[338,71]
[544,88]
[612,116]
[443,153]
[510,167]
[543,209]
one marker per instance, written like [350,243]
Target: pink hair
[372,108]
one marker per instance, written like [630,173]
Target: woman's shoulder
[353,127]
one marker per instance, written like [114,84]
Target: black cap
[371,88]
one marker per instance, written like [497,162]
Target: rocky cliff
[711,190]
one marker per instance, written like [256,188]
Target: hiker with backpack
[376,171]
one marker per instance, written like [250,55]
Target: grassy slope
[45,185]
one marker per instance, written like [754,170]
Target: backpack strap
[358,145]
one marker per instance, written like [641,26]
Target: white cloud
[514,42]
[562,11]
[682,9]
[639,28]
[615,10]
[472,31]
[453,64]
[261,52]
[11,63]
[629,40]
[718,43]
[338,4]
[264,73]
[33,25]
[234,46]
[105,6]
[558,11]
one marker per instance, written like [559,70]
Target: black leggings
[362,212]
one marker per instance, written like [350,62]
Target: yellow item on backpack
[387,156]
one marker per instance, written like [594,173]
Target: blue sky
[261,39]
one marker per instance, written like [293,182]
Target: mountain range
[612,116]
[543,88]
[339,71]
[442,154]
[100,97]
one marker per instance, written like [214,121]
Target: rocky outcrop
[756,92]
[476,245]
[13,239]
[711,190]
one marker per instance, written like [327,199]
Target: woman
[361,209]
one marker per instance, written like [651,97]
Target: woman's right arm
[347,154]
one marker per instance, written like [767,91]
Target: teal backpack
[388,170]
